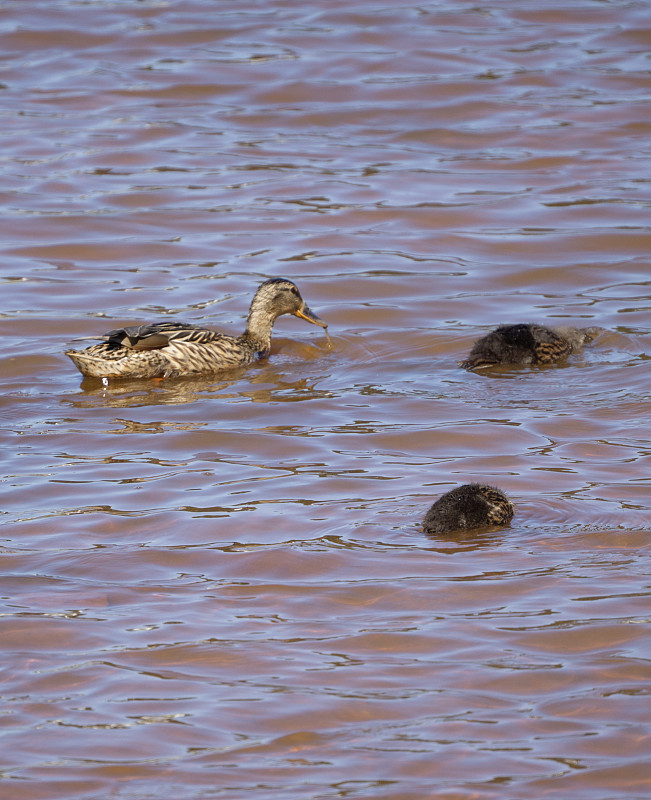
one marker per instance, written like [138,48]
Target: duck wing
[155,335]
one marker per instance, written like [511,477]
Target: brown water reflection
[219,587]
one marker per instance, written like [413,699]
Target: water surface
[218,588]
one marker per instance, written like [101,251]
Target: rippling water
[218,588]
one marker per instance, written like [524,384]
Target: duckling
[467,507]
[526,345]
[178,349]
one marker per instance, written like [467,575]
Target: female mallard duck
[467,507]
[526,345]
[177,349]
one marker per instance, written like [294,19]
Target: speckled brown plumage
[466,507]
[177,349]
[526,345]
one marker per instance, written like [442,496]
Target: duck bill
[310,316]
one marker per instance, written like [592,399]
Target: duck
[473,505]
[177,349]
[526,344]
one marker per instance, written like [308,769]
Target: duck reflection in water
[468,507]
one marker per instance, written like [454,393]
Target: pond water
[218,588]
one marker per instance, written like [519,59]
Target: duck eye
[294,290]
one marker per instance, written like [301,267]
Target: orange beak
[310,316]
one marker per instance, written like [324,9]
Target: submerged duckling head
[467,507]
[577,337]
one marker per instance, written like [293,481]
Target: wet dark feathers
[522,345]
[467,507]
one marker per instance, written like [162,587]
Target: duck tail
[87,364]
